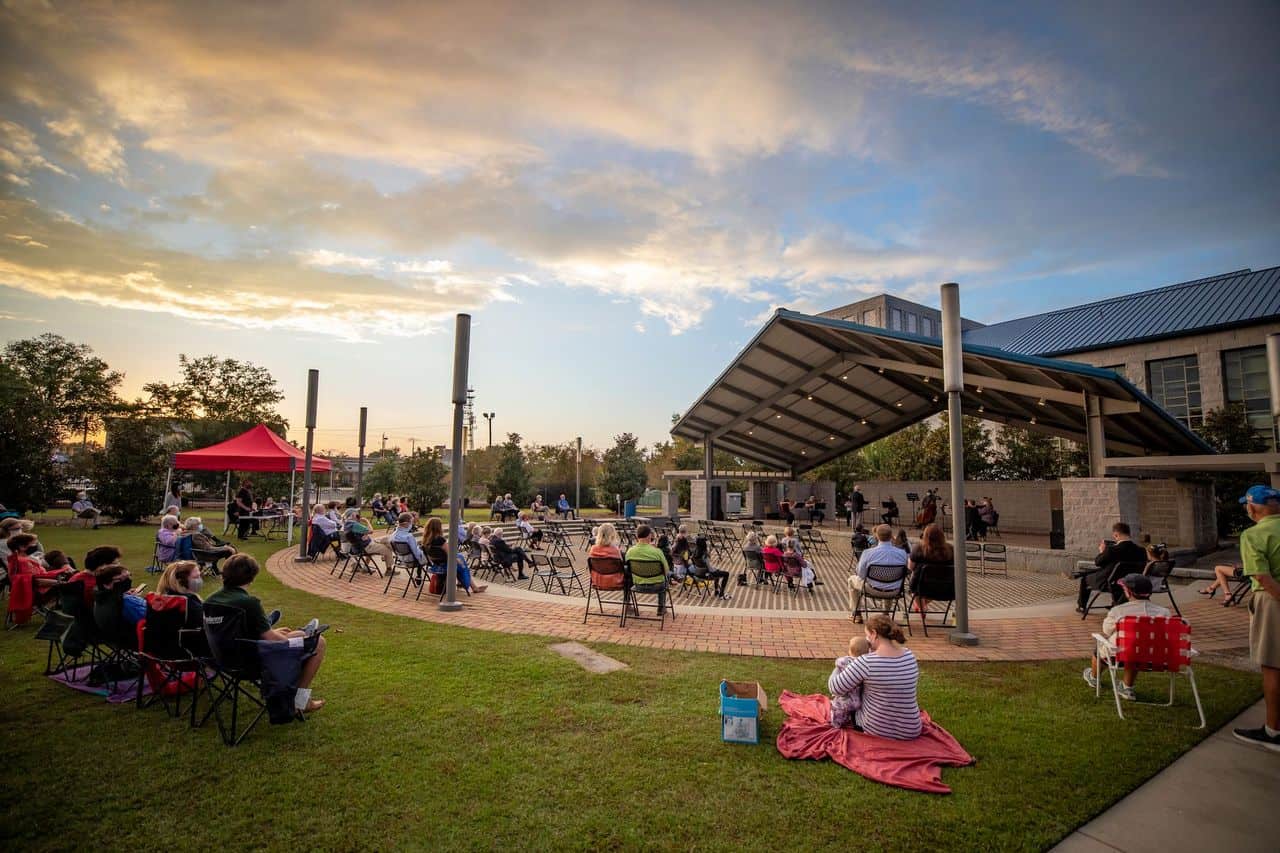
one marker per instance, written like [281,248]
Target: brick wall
[1023,505]
[1091,505]
[1178,513]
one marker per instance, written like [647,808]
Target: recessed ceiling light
[810,397]
[804,453]
[1040,402]
[777,417]
[831,438]
[751,432]
[864,421]
[880,370]
[981,409]
[846,376]
[979,389]
[899,404]
[935,398]
[1033,420]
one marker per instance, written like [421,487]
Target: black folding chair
[995,558]
[932,582]
[167,666]
[893,579]
[753,562]
[1158,572]
[645,577]
[237,668]
[1118,571]
[415,570]
[605,574]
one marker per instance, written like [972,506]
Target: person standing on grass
[1260,552]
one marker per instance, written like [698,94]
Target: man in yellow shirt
[1260,552]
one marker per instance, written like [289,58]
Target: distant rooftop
[1236,298]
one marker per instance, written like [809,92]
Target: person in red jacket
[29,580]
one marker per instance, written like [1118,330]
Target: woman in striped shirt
[887,676]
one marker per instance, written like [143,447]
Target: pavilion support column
[708,469]
[313,392]
[953,382]
[1097,435]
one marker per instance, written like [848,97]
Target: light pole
[364,420]
[384,444]
[489,416]
[577,480]
[953,382]
[461,354]
[313,391]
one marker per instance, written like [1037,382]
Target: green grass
[443,737]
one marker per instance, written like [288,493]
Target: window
[1244,373]
[1175,385]
[871,317]
[926,326]
[911,323]
[895,319]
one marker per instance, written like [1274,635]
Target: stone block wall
[1091,505]
[1023,505]
[1178,513]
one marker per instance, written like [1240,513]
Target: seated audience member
[183,578]
[404,534]
[57,561]
[681,548]
[506,555]
[844,706]
[23,564]
[790,556]
[606,544]
[169,542]
[84,508]
[238,573]
[172,501]
[334,512]
[436,547]
[539,508]
[563,507]
[932,548]
[1137,590]
[11,527]
[887,674]
[1222,576]
[772,555]
[532,535]
[1121,549]
[751,542]
[495,509]
[890,514]
[118,606]
[885,553]
[900,540]
[789,535]
[321,519]
[202,541]
[645,551]
[700,567]
[861,540]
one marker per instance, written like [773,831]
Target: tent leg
[168,482]
[226,499]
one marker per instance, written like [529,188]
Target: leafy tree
[424,480]
[1027,455]
[220,389]
[28,476]
[512,474]
[76,388]
[129,470]
[623,471]
[1228,430]
[383,477]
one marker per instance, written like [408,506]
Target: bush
[129,471]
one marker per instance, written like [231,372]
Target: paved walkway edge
[1220,795]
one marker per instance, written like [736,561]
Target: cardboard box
[741,705]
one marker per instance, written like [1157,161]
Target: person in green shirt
[645,551]
[1260,553]
[237,573]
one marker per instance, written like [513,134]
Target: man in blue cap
[1260,552]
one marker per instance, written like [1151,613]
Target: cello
[929,510]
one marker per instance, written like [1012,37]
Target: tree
[382,478]
[129,470]
[76,388]
[28,476]
[512,475]
[423,479]
[623,471]
[220,389]
[1228,430]
[1027,455]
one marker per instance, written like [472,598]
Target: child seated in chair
[845,705]
[1137,590]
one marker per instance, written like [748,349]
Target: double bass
[928,510]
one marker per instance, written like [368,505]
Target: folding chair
[973,558]
[166,666]
[753,562]
[605,574]
[565,575]
[116,642]
[647,578]
[1158,571]
[793,571]
[1239,586]
[1152,644]
[1118,571]
[415,570]
[932,582]
[893,577]
[357,558]
[156,565]
[238,667]
[542,571]
[207,561]
[494,565]
[773,571]
[995,557]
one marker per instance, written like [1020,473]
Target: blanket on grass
[912,764]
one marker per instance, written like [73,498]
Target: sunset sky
[618,192]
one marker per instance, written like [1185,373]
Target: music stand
[913,497]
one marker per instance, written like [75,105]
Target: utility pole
[364,420]
[384,444]
[412,442]
[489,416]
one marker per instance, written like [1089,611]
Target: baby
[843,706]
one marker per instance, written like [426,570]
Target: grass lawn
[437,736]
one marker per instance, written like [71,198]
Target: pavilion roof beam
[756,423]
[1059,432]
[745,447]
[789,412]
[768,402]
[877,432]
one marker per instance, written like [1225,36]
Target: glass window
[926,326]
[1244,373]
[911,323]
[871,317]
[1174,383]
[895,319]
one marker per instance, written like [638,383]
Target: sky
[618,193]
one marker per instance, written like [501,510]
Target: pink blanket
[912,764]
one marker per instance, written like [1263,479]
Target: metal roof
[807,389]
[1232,299]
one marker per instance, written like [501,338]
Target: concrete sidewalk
[1219,796]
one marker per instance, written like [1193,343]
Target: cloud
[338,260]
[111,269]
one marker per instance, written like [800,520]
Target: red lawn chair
[1154,644]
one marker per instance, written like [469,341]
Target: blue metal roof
[1232,299]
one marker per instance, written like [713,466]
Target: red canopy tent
[259,449]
